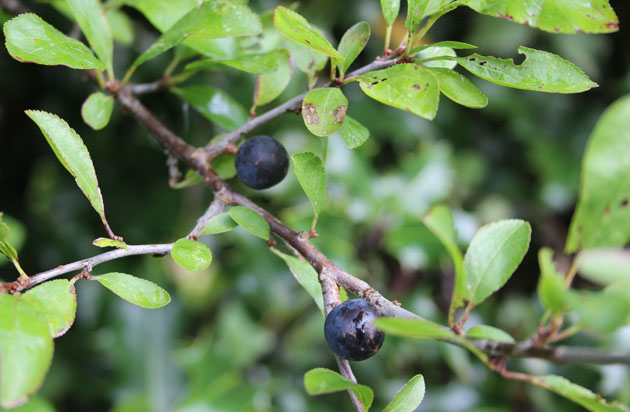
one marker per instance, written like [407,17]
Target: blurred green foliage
[241,334]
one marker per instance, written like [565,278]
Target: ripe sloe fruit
[261,162]
[350,331]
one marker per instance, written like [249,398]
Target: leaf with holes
[140,292]
[214,104]
[324,110]
[353,133]
[493,255]
[459,89]
[409,87]
[602,215]
[26,349]
[97,110]
[31,39]
[72,154]
[557,16]
[191,255]
[90,16]
[296,28]
[409,397]
[56,301]
[540,71]
[251,221]
[321,380]
[309,170]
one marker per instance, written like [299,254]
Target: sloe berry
[261,162]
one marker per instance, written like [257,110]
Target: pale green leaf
[409,87]
[26,350]
[270,86]
[56,301]
[191,178]
[540,71]
[603,311]
[97,110]
[214,105]
[324,110]
[415,12]
[138,291]
[307,60]
[605,266]
[354,134]
[551,288]
[296,28]
[448,43]
[602,215]
[259,63]
[493,255]
[107,242]
[72,154]
[121,26]
[459,89]
[31,39]
[442,55]
[191,255]
[219,224]
[351,44]
[390,9]
[321,380]
[413,328]
[555,16]
[251,221]
[408,397]
[578,394]
[309,170]
[489,332]
[12,232]
[90,16]
[211,20]
[163,14]
[306,276]
[35,404]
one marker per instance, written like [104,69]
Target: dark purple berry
[350,331]
[261,162]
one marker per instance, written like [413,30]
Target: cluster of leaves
[267,47]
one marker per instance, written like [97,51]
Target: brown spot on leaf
[624,203]
[340,114]
[307,41]
[415,86]
[612,26]
[310,114]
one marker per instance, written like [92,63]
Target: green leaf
[489,332]
[321,380]
[354,134]
[6,248]
[211,20]
[219,224]
[324,110]
[259,63]
[163,14]
[72,154]
[224,166]
[493,255]
[557,16]
[26,350]
[251,221]
[436,57]
[107,242]
[191,255]
[439,220]
[306,276]
[459,89]
[214,105]
[603,311]
[578,394]
[138,291]
[97,110]
[413,328]
[415,12]
[307,60]
[296,28]
[351,44]
[270,86]
[31,39]
[448,43]
[605,266]
[602,215]
[540,71]
[551,288]
[56,301]
[410,87]
[309,170]
[408,397]
[12,232]
[35,404]
[121,27]
[191,178]
[90,16]
[390,10]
